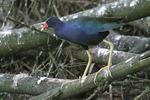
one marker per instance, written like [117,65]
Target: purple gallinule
[85,31]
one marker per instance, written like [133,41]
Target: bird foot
[109,65]
[71,81]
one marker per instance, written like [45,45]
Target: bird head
[50,22]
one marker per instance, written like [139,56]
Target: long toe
[67,82]
[101,70]
[71,81]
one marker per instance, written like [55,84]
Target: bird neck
[58,27]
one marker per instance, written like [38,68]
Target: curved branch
[23,39]
[30,85]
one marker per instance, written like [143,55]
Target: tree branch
[35,86]
[120,70]
[23,39]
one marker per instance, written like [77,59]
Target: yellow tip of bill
[42,29]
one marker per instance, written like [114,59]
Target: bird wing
[93,25]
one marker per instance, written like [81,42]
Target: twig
[8,13]
[13,62]
[79,5]
[2,98]
[2,3]
[57,13]
[30,27]
[51,97]
[54,62]
[127,84]
[41,64]
[48,95]
[36,63]
[39,15]
[27,66]
[143,93]
[48,8]
[59,49]
[134,77]
[26,18]
[71,74]
[99,89]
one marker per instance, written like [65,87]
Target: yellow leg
[85,72]
[88,65]
[109,60]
